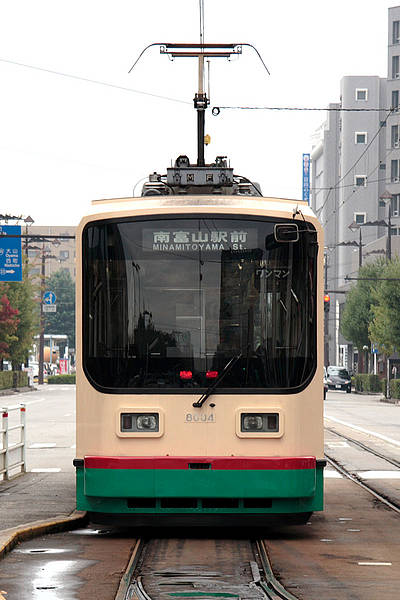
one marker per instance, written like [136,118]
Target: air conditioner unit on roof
[395,180]
[396,144]
[395,213]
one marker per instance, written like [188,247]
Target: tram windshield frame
[169,300]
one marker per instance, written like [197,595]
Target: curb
[9,538]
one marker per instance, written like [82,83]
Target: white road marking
[375,564]
[379,474]
[337,444]
[367,431]
[328,474]
[45,470]
[42,445]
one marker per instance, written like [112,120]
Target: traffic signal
[327,302]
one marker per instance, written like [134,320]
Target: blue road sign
[49,298]
[10,253]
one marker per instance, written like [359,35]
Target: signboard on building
[306,178]
[63,365]
[10,253]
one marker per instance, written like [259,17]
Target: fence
[12,447]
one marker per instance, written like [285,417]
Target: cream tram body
[152,335]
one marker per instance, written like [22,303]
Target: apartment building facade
[356,182]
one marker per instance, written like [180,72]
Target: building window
[360,218]
[395,100]
[394,171]
[395,136]
[396,32]
[395,205]
[361,94]
[395,67]
[360,137]
[360,180]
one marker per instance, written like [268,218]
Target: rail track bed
[200,567]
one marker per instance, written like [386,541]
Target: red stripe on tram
[216,462]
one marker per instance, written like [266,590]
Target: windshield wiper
[227,368]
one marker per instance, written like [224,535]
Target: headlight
[140,422]
[259,422]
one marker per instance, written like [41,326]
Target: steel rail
[126,590]
[358,481]
[271,587]
[392,461]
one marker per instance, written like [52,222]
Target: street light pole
[360,251]
[386,198]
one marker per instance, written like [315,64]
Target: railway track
[180,568]
[376,453]
[394,505]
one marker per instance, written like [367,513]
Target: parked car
[325,383]
[338,378]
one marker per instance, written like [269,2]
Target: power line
[382,124]
[93,81]
[358,188]
[217,109]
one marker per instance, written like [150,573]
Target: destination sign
[205,240]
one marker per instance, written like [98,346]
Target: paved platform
[36,503]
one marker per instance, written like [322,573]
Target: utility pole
[326,314]
[41,337]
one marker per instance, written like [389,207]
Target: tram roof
[111,208]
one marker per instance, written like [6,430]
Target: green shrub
[367,382]
[13,379]
[61,378]
[395,388]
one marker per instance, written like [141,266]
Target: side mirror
[286,232]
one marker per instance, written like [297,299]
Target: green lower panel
[106,490]
[183,483]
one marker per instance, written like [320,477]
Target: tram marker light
[260,422]
[186,375]
[212,374]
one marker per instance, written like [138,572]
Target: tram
[199,353]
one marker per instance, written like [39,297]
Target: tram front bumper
[195,483]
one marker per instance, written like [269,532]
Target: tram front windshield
[168,303]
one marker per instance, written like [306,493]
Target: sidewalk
[36,503]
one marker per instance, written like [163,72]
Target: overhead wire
[356,189]
[381,125]
[93,81]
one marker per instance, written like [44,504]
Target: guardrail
[12,452]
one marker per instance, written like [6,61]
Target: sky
[76,126]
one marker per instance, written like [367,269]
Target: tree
[357,313]
[385,321]
[22,297]
[8,326]
[62,322]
